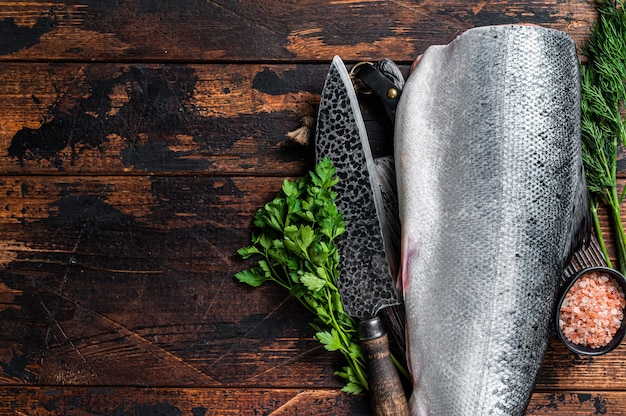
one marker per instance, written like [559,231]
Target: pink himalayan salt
[592,311]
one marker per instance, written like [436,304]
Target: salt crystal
[592,296]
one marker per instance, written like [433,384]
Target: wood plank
[177,402]
[129,281]
[137,140]
[577,403]
[138,119]
[263,30]
[563,369]
[124,119]
[53,400]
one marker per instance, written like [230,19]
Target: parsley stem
[358,366]
[345,343]
[298,228]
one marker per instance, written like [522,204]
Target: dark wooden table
[137,140]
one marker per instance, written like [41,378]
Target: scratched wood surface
[137,140]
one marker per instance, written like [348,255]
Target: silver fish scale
[491,189]
[365,283]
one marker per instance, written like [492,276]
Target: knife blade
[365,282]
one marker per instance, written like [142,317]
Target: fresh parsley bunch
[295,243]
[603,84]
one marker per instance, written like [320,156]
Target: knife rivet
[392,93]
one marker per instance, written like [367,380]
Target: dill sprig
[603,84]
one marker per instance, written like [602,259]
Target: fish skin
[492,202]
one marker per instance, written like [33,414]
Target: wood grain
[294,31]
[130,281]
[137,140]
[108,119]
[53,401]
[115,274]
[387,396]
[177,402]
[165,119]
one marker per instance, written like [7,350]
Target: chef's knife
[365,282]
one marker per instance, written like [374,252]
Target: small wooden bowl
[619,335]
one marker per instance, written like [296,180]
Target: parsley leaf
[295,243]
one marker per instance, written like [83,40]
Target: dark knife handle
[385,389]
